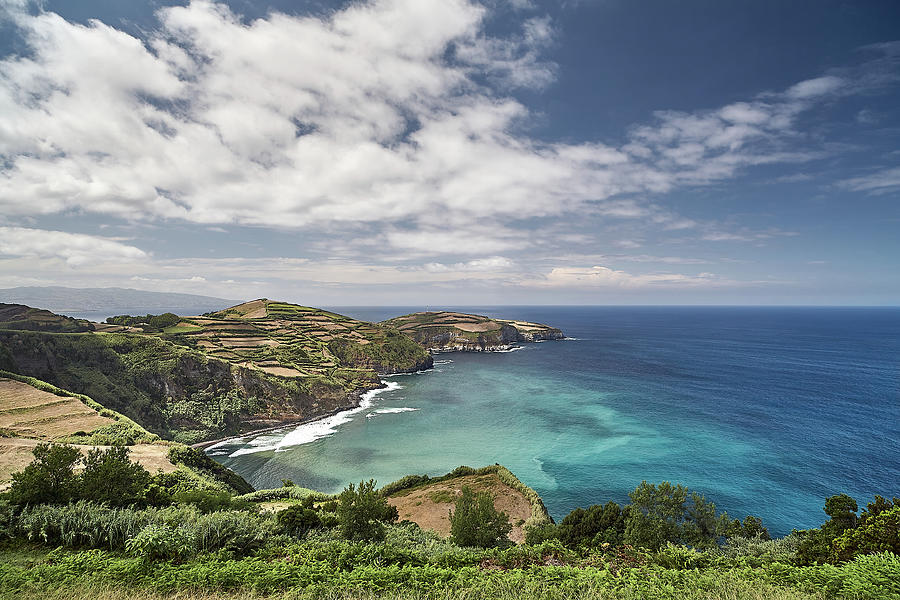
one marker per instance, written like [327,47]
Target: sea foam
[310,432]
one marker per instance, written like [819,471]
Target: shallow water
[764,410]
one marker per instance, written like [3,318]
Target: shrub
[197,459]
[761,550]
[50,478]
[592,527]
[362,512]
[475,521]
[110,477]
[298,520]
[155,542]
[205,500]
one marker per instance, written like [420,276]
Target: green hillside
[254,365]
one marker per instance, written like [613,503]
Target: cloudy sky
[454,151]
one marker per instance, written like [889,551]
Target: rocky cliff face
[173,391]
[460,332]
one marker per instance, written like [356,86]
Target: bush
[49,479]
[298,520]
[592,527]
[205,500]
[159,542]
[761,550]
[197,459]
[110,477]
[475,521]
[362,512]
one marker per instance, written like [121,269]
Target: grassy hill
[444,330]
[254,365]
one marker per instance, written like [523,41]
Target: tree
[110,476]
[596,525]
[49,479]
[475,521]
[816,545]
[667,513]
[877,533]
[362,512]
[298,519]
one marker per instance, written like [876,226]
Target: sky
[454,152]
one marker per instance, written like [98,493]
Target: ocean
[765,411]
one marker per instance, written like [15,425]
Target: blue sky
[454,152]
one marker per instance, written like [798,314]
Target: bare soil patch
[418,505]
[477,327]
[31,412]
[282,371]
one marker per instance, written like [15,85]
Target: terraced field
[29,416]
[29,412]
[284,339]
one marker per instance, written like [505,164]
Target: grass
[727,590]
[298,574]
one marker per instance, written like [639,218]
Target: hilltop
[447,331]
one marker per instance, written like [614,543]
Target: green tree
[877,533]
[49,479]
[672,513]
[298,519]
[816,545]
[109,476]
[362,512]
[475,521]
[596,525]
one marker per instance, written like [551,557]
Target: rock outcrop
[459,332]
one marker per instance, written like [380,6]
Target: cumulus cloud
[74,248]
[393,113]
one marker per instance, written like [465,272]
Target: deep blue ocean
[766,411]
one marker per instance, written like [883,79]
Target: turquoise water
[765,410]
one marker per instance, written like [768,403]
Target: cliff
[251,366]
[444,331]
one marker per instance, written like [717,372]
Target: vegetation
[362,512]
[475,522]
[188,547]
[200,378]
[149,323]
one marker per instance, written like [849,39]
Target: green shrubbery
[362,512]
[475,522]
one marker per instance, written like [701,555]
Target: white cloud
[491,264]
[377,113]
[74,248]
[604,277]
[881,181]
[815,87]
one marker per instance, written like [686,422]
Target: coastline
[358,397]
[284,424]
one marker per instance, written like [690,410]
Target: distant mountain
[77,300]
